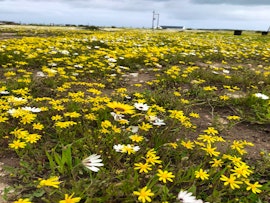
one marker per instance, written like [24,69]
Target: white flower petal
[134,129]
[93,162]
[262,96]
[118,148]
[93,168]
[4,92]
[97,164]
[32,109]
[96,161]
[159,122]
[141,106]
[186,197]
[136,148]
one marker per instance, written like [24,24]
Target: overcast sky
[228,14]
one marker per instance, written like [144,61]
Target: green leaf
[193,189]
[66,156]
[39,193]
[51,161]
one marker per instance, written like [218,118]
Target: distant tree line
[3,22]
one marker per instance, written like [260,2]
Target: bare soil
[257,134]
[8,35]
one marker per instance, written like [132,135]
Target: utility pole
[157,20]
[154,18]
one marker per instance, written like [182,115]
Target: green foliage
[62,163]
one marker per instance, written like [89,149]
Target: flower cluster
[140,113]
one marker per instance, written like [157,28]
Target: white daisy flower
[128,97]
[65,52]
[159,122]
[186,197]
[141,106]
[4,92]
[118,147]
[12,111]
[40,74]
[78,66]
[93,162]
[32,109]
[134,129]
[136,148]
[116,116]
[262,96]
[112,60]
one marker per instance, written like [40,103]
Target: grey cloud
[138,13]
[233,2]
[118,5]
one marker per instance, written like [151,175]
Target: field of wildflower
[134,115]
